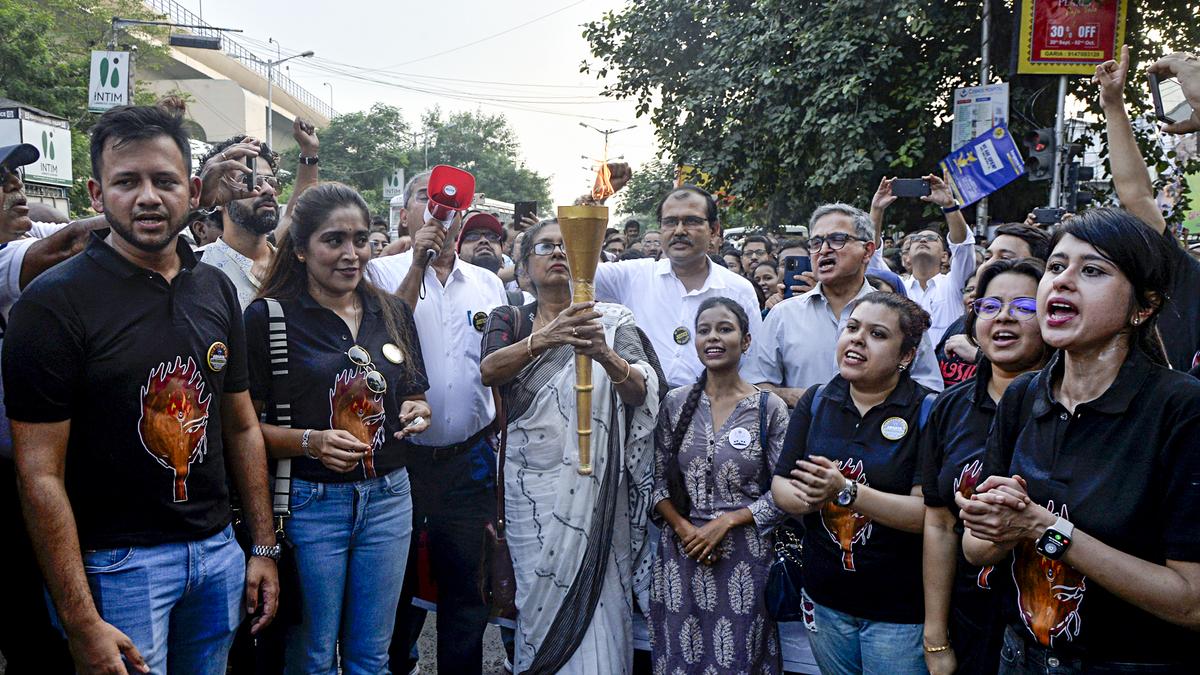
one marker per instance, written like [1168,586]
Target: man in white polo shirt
[453,471]
[665,294]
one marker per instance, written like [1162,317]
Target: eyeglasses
[546,248]
[689,222]
[757,253]
[837,241]
[917,238]
[476,235]
[1021,309]
[271,181]
[362,358]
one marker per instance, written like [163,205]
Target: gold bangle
[935,650]
[529,346]
[628,371]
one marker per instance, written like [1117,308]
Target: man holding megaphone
[453,472]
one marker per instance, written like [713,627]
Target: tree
[486,146]
[645,190]
[45,61]
[797,102]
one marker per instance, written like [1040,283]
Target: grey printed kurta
[712,618]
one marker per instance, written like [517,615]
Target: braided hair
[675,485]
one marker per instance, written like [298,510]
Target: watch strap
[273,552]
[1065,527]
[305,159]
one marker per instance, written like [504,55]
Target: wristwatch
[952,208]
[845,497]
[1055,541]
[272,552]
[309,160]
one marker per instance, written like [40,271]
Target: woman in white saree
[578,543]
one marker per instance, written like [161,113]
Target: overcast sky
[403,40]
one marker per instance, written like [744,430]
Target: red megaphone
[450,189]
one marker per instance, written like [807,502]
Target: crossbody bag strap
[502,435]
[281,486]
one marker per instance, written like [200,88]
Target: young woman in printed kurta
[711,477]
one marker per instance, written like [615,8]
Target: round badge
[739,438]
[218,356]
[894,428]
[479,320]
[682,335]
[392,353]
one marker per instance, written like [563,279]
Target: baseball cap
[13,156]
[479,221]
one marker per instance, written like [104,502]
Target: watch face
[843,498]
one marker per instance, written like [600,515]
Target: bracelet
[628,371]
[529,346]
[304,443]
[309,160]
[935,650]
[951,209]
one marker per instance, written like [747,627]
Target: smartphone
[1048,215]
[793,267]
[1170,104]
[521,210]
[910,187]
[251,179]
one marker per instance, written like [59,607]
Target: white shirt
[235,266]
[942,296]
[12,257]
[661,304]
[450,343]
[797,346]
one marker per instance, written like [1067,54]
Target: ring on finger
[574,332]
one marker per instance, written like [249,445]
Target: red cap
[479,221]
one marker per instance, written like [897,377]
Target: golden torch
[583,235]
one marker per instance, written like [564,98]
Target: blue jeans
[179,603]
[845,645]
[351,542]
[1021,657]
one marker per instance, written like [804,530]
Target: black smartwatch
[1055,541]
[309,160]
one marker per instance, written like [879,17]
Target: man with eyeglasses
[665,294]
[242,251]
[795,348]
[755,249]
[453,473]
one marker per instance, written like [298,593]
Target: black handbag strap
[502,434]
[281,486]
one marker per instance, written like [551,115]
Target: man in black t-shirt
[125,380]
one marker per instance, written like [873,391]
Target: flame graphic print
[1049,592]
[965,484]
[356,409]
[844,526]
[175,418]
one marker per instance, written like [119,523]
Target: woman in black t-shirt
[355,385]
[1092,499]
[849,467]
[962,601]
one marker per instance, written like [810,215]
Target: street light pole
[270,85]
[330,97]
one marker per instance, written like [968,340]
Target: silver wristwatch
[272,552]
[845,497]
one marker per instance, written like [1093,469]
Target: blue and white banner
[985,164]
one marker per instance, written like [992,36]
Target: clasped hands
[1002,513]
[815,481]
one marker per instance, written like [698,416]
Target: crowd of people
[987,449]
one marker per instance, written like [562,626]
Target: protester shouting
[849,468]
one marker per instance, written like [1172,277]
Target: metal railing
[177,13]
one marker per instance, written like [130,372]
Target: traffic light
[1040,163]
[1076,198]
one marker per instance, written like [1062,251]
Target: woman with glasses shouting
[578,543]
[963,625]
[355,382]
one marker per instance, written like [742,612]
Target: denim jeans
[1019,657]
[846,645]
[179,603]
[351,542]
[454,498]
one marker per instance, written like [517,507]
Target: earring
[300,258]
[903,367]
[1137,321]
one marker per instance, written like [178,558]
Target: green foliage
[45,58]
[650,182]
[798,102]
[486,146]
